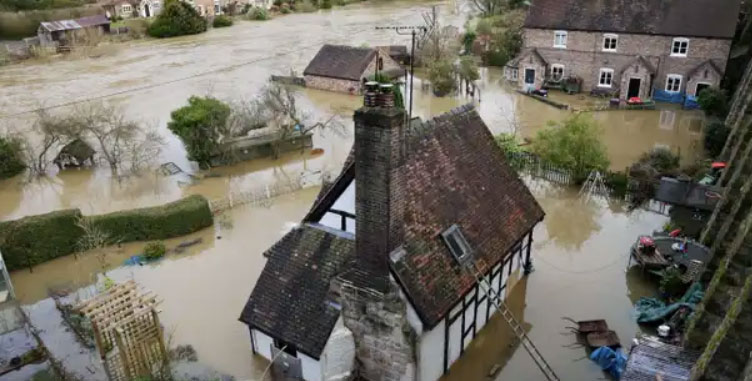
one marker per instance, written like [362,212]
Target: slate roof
[340,61]
[515,62]
[291,298]
[688,18]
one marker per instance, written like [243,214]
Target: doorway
[147,10]
[634,88]
[529,76]
[700,87]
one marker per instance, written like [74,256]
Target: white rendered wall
[311,367]
[338,358]
[263,344]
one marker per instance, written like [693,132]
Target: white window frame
[679,41]
[563,35]
[610,36]
[514,74]
[126,8]
[602,71]
[557,66]
[675,77]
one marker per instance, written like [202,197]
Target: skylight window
[457,244]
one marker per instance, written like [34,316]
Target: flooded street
[580,250]
[151,78]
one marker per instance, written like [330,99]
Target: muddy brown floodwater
[580,249]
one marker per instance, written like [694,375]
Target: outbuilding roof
[291,298]
[340,61]
[688,18]
[83,22]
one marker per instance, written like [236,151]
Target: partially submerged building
[65,32]
[379,279]
[345,69]
[627,48]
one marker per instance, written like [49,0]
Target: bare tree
[441,43]
[277,106]
[50,131]
[121,142]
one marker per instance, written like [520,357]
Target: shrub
[259,14]
[222,21]
[509,143]
[617,182]
[325,4]
[11,158]
[469,69]
[661,159]
[715,138]
[199,125]
[575,145]
[714,102]
[36,239]
[441,75]
[467,41]
[177,19]
[170,220]
[483,27]
[504,46]
[285,8]
[154,250]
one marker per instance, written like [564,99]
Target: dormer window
[457,244]
[680,47]
[560,39]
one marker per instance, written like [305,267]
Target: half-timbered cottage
[376,277]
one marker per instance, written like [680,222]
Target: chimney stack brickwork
[379,206]
[372,308]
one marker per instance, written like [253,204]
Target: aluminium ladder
[500,306]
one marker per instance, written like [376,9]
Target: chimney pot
[370,98]
[386,95]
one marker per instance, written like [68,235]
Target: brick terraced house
[344,69]
[627,48]
[371,283]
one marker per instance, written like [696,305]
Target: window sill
[605,86]
[609,51]
[560,46]
[673,92]
[678,55]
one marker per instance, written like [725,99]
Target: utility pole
[402,30]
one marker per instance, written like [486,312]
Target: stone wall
[384,341]
[584,56]
[332,84]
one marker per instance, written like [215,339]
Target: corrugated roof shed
[83,22]
[688,18]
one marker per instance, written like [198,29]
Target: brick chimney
[379,205]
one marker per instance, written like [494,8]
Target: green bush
[467,41]
[177,19]
[469,69]
[715,138]
[504,46]
[441,75]
[305,7]
[661,159]
[154,250]
[575,145]
[325,4]
[37,239]
[11,161]
[170,220]
[258,14]
[509,143]
[222,21]
[285,8]
[200,125]
[617,182]
[714,102]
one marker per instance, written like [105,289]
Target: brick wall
[583,55]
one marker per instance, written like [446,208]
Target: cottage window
[217,8]
[560,39]
[557,72]
[513,73]
[673,83]
[679,47]
[457,244]
[609,42]
[125,8]
[606,77]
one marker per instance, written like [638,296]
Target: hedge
[36,239]
[170,220]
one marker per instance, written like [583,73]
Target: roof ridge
[425,128]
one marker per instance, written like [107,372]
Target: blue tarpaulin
[666,96]
[612,361]
[651,309]
[690,103]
